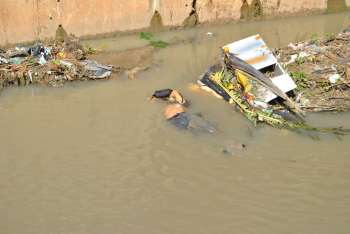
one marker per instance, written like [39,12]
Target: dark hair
[163,93]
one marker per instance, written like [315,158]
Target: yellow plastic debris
[61,55]
[226,50]
[244,81]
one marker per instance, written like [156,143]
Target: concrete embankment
[28,20]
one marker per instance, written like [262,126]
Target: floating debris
[49,64]
[323,74]
[246,78]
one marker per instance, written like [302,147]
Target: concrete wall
[27,20]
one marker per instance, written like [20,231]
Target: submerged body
[177,115]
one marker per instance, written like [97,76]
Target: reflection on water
[99,157]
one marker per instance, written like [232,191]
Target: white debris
[334,78]
[30,76]
[260,104]
[294,57]
[298,46]
[3,60]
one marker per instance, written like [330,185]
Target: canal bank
[29,20]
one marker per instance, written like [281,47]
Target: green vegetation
[152,40]
[300,60]
[256,115]
[89,49]
[159,44]
[146,36]
[300,79]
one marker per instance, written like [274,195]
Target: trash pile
[250,77]
[49,64]
[321,70]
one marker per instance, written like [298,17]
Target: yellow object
[230,86]
[226,50]
[217,76]
[244,81]
[61,55]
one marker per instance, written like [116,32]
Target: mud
[336,6]
[130,61]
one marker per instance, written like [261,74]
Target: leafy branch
[152,40]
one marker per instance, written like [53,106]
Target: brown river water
[98,157]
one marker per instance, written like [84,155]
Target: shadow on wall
[251,11]
[336,6]
[156,22]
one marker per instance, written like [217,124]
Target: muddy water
[99,158]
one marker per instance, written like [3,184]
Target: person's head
[170,95]
[161,94]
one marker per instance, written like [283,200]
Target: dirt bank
[28,20]
[130,61]
[321,70]
[57,63]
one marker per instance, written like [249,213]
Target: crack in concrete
[192,18]
[194,7]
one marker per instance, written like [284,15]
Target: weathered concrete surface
[174,12]
[27,20]
[286,6]
[211,10]
[300,5]
[18,21]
